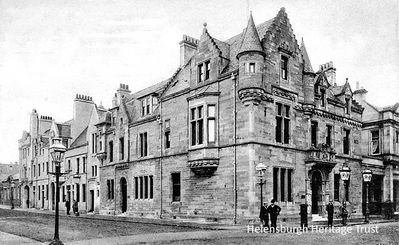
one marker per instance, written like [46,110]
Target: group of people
[273,210]
[74,207]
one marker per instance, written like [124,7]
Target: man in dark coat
[264,215]
[330,214]
[68,206]
[75,208]
[274,211]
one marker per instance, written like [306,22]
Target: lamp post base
[56,242]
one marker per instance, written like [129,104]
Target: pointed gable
[250,40]
[307,65]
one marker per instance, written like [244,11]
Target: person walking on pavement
[68,206]
[274,211]
[264,215]
[330,213]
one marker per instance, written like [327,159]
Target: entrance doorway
[26,196]
[91,201]
[123,194]
[316,191]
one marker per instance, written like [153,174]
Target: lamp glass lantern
[345,172]
[57,151]
[367,175]
[261,169]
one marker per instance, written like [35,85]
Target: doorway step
[318,217]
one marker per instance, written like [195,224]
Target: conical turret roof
[250,40]
[308,65]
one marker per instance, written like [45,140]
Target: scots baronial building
[188,146]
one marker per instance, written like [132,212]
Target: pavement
[208,230]
[10,239]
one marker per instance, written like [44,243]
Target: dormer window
[284,67]
[146,106]
[204,70]
[323,97]
[207,69]
[347,105]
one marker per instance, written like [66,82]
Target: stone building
[380,151]
[188,146]
[36,182]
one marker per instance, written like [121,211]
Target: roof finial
[346,79]
[205,24]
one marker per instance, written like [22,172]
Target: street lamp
[261,169]
[57,151]
[367,175]
[345,173]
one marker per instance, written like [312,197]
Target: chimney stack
[187,48]
[330,71]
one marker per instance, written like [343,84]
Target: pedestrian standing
[68,206]
[75,208]
[274,211]
[330,213]
[264,215]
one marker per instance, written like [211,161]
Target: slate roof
[250,41]
[308,65]
[64,130]
[81,139]
[235,42]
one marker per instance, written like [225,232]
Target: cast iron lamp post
[261,169]
[367,175]
[345,173]
[57,151]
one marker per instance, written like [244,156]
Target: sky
[51,50]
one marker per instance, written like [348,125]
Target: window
[46,192]
[63,193]
[77,165]
[143,145]
[337,178]
[284,67]
[39,169]
[144,187]
[113,121]
[197,125]
[200,73]
[83,192]
[38,194]
[347,105]
[251,68]
[313,133]
[77,193]
[146,106]
[34,170]
[95,144]
[69,164]
[323,97]
[111,151]
[141,187]
[110,188]
[151,187]
[282,184]
[329,135]
[47,166]
[92,143]
[121,121]
[176,187]
[84,164]
[167,134]
[154,103]
[121,148]
[346,141]
[136,187]
[375,142]
[211,123]
[282,123]
[207,70]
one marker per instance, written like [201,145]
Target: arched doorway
[316,186]
[123,194]
[26,196]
